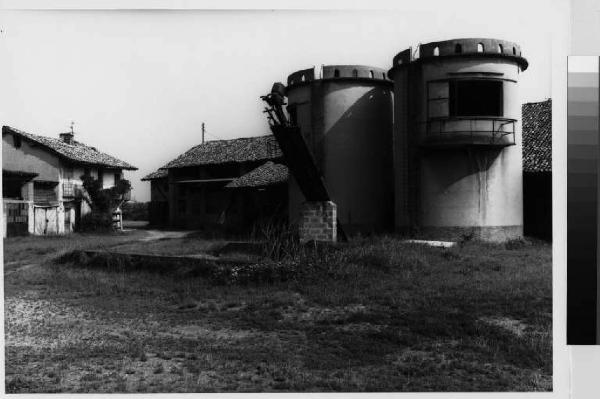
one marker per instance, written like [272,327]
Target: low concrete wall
[318,221]
[483,233]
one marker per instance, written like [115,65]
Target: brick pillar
[318,221]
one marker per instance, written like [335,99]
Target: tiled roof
[159,174]
[76,152]
[262,148]
[537,136]
[265,175]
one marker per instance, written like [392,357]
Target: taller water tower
[457,139]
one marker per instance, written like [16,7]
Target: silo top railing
[465,47]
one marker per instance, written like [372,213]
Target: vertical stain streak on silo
[479,165]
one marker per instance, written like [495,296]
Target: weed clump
[516,244]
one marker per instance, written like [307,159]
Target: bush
[96,222]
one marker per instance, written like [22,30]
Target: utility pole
[202,132]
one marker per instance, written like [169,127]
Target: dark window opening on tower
[476,98]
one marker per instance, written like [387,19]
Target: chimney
[66,137]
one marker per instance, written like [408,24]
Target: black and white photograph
[278,200]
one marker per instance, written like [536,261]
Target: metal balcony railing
[470,130]
[70,189]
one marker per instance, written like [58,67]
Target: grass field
[376,315]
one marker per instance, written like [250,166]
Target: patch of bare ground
[377,315]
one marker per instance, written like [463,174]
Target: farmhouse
[42,189]
[222,185]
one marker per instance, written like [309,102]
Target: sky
[139,83]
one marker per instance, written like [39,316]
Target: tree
[105,200]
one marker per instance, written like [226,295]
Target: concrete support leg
[318,221]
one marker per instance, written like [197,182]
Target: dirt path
[160,234]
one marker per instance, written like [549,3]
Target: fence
[17,216]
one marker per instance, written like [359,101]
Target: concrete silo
[345,115]
[457,139]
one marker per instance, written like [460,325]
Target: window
[354,73]
[476,98]
[458,48]
[480,47]
[436,51]
[500,48]
[371,75]
[336,73]
[437,97]
[117,177]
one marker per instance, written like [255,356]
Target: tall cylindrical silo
[345,114]
[457,140]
